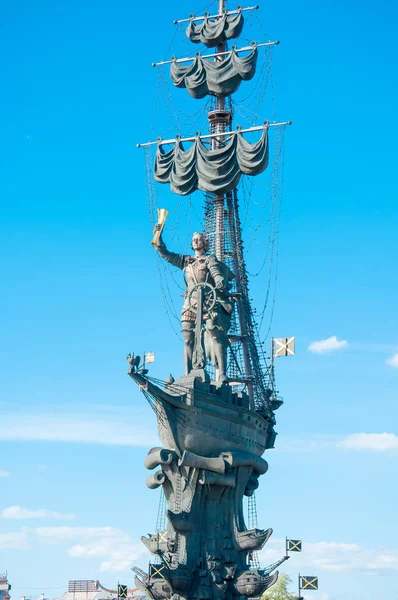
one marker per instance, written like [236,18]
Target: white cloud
[105,428]
[117,555]
[385,561]
[18,512]
[379,442]
[4,473]
[17,540]
[71,533]
[329,345]
[306,444]
[113,547]
[393,361]
[337,557]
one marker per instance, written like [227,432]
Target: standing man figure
[203,268]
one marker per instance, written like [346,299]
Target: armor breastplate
[197,271]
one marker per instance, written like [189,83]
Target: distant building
[89,589]
[5,587]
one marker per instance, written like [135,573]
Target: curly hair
[204,238]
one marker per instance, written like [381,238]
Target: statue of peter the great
[203,268]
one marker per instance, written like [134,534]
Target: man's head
[200,243]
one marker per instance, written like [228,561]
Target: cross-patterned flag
[122,591]
[156,571]
[162,536]
[309,582]
[283,347]
[294,545]
[149,357]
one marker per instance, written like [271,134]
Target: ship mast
[227,246]
[219,119]
[216,169]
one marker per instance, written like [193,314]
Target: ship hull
[214,427]
[205,419]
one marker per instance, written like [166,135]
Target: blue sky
[80,288]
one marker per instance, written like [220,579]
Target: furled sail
[211,170]
[212,33]
[222,78]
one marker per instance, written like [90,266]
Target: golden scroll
[162,216]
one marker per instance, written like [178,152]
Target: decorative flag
[122,591]
[294,546]
[162,536]
[283,346]
[155,571]
[149,357]
[309,582]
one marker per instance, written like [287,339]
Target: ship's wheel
[209,297]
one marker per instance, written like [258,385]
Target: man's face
[198,242]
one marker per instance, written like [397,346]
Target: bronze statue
[214,423]
[207,302]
